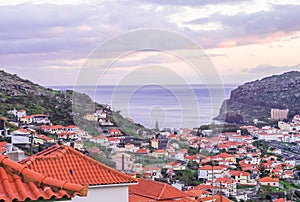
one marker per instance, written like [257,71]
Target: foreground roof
[65,163]
[147,190]
[18,183]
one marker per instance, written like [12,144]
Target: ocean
[174,106]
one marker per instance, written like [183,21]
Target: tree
[193,165]
[262,145]
[269,197]
[164,172]
[204,127]
[192,151]
[262,170]
[190,177]
[232,198]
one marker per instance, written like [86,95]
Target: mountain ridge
[255,99]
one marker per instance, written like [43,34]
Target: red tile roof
[3,144]
[173,163]
[65,163]
[39,115]
[225,155]
[206,187]
[155,190]
[71,126]
[196,192]
[269,179]
[22,130]
[4,118]
[44,137]
[56,127]
[159,151]
[209,167]
[216,199]
[225,180]
[25,117]
[137,198]
[32,185]
[142,151]
[172,136]
[114,130]
[239,173]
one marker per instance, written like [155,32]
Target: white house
[21,113]
[102,140]
[209,172]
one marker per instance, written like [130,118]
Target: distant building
[208,172]
[154,143]
[284,126]
[268,181]
[279,114]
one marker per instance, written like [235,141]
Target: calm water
[171,106]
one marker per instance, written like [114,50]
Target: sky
[50,42]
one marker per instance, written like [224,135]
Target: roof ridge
[162,191]
[97,162]
[42,155]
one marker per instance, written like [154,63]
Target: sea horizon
[174,106]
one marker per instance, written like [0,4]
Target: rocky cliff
[256,99]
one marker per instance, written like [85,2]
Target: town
[210,163]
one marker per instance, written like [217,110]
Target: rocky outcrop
[256,99]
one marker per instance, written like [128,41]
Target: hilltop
[19,93]
[255,99]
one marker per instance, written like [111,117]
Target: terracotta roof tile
[155,190]
[225,180]
[137,198]
[65,163]
[71,126]
[239,173]
[33,185]
[269,179]
[3,144]
[279,200]
[209,167]
[196,192]
[216,199]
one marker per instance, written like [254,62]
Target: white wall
[207,174]
[105,194]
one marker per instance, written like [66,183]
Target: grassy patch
[149,160]
[89,145]
[239,186]
[288,185]
[270,189]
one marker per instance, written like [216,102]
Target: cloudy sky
[49,41]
